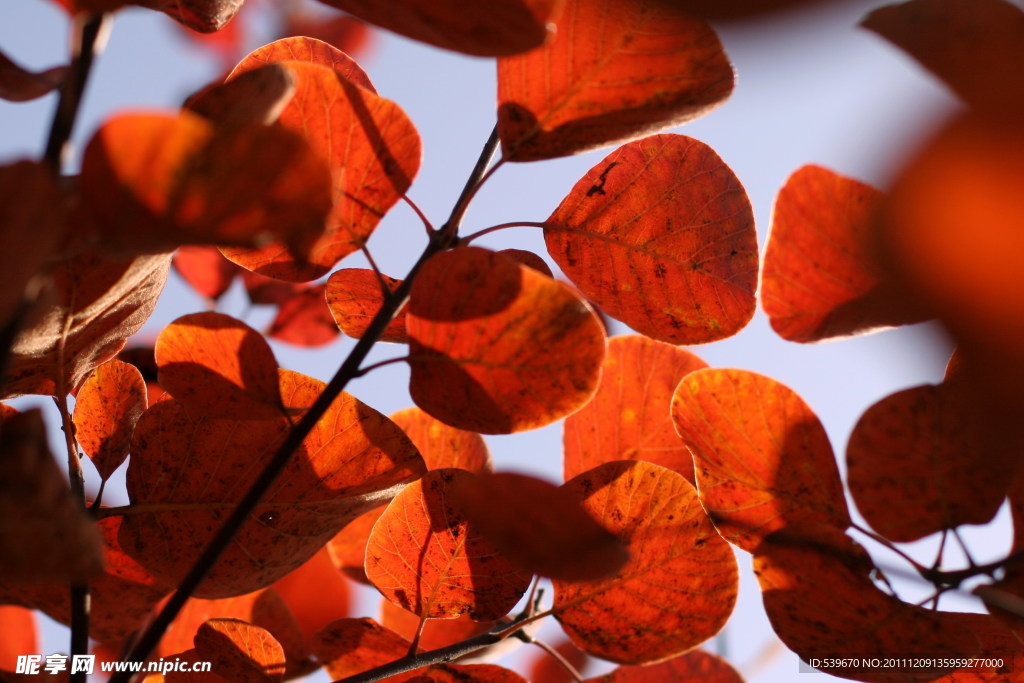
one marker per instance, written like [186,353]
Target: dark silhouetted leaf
[762,458]
[505,350]
[680,583]
[614,71]
[106,409]
[205,16]
[354,297]
[20,85]
[660,235]
[820,278]
[425,556]
[630,418]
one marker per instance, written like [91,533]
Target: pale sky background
[811,88]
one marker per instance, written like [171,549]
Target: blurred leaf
[443,446]
[348,547]
[20,85]
[546,669]
[205,16]
[255,97]
[305,319]
[316,594]
[18,625]
[205,270]
[696,666]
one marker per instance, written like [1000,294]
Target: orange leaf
[306,50]
[20,638]
[205,269]
[45,534]
[436,632]
[258,96]
[372,149]
[680,583]
[443,446]
[499,27]
[528,258]
[660,235]
[266,291]
[504,350]
[106,409]
[460,673]
[354,297]
[614,71]
[975,46]
[205,16]
[187,473]
[220,367]
[539,526]
[153,182]
[425,556]
[348,547]
[305,319]
[316,593]
[762,458]
[629,418]
[20,85]
[238,652]
[693,667]
[351,646]
[820,279]
[348,34]
[914,467]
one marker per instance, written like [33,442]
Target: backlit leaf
[239,651]
[914,468]
[348,34]
[975,46]
[348,547]
[630,416]
[425,556]
[220,367]
[106,409]
[693,667]
[680,583]
[19,628]
[546,669]
[504,350]
[205,270]
[20,85]
[539,526]
[460,673]
[738,9]
[187,474]
[351,646]
[265,291]
[441,445]
[372,149]
[660,235]
[354,296]
[316,593]
[820,278]
[305,319]
[300,48]
[614,71]
[153,182]
[499,27]
[762,458]
[436,632]
[44,534]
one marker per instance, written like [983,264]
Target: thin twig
[419,212]
[558,657]
[390,361]
[450,230]
[502,226]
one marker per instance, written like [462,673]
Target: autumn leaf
[265,291]
[205,16]
[237,651]
[152,182]
[301,48]
[18,84]
[615,70]
[976,47]
[347,34]
[436,633]
[441,445]
[187,473]
[425,556]
[660,235]
[348,547]
[762,458]
[220,367]
[696,666]
[820,279]
[914,467]
[680,583]
[501,27]
[305,319]
[354,296]
[629,417]
[255,97]
[371,147]
[505,350]
[20,635]
[528,258]
[314,609]
[351,646]
[106,409]
[546,669]
[205,270]
[538,526]
[460,673]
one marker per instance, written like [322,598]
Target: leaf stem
[380,364]
[501,226]
[419,212]
[349,369]
[450,230]
[87,44]
[557,656]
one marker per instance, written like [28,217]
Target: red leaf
[20,638]
[219,367]
[348,547]
[205,269]
[762,458]
[820,278]
[106,409]
[505,350]
[354,297]
[345,33]
[546,669]
[436,632]
[306,50]
[975,46]
[630,418]
[693,667]
[501,27]
[738,9]
[443,446]
[539,526]
[373,151]
[460,673]
[238,652]
[255,97]
[153,182]
[305,319]
[351,646]
[660,235]
[424,556]
[20,85]
[187,473]
[614,71]
[528,258]
[680,583]
[316,593]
